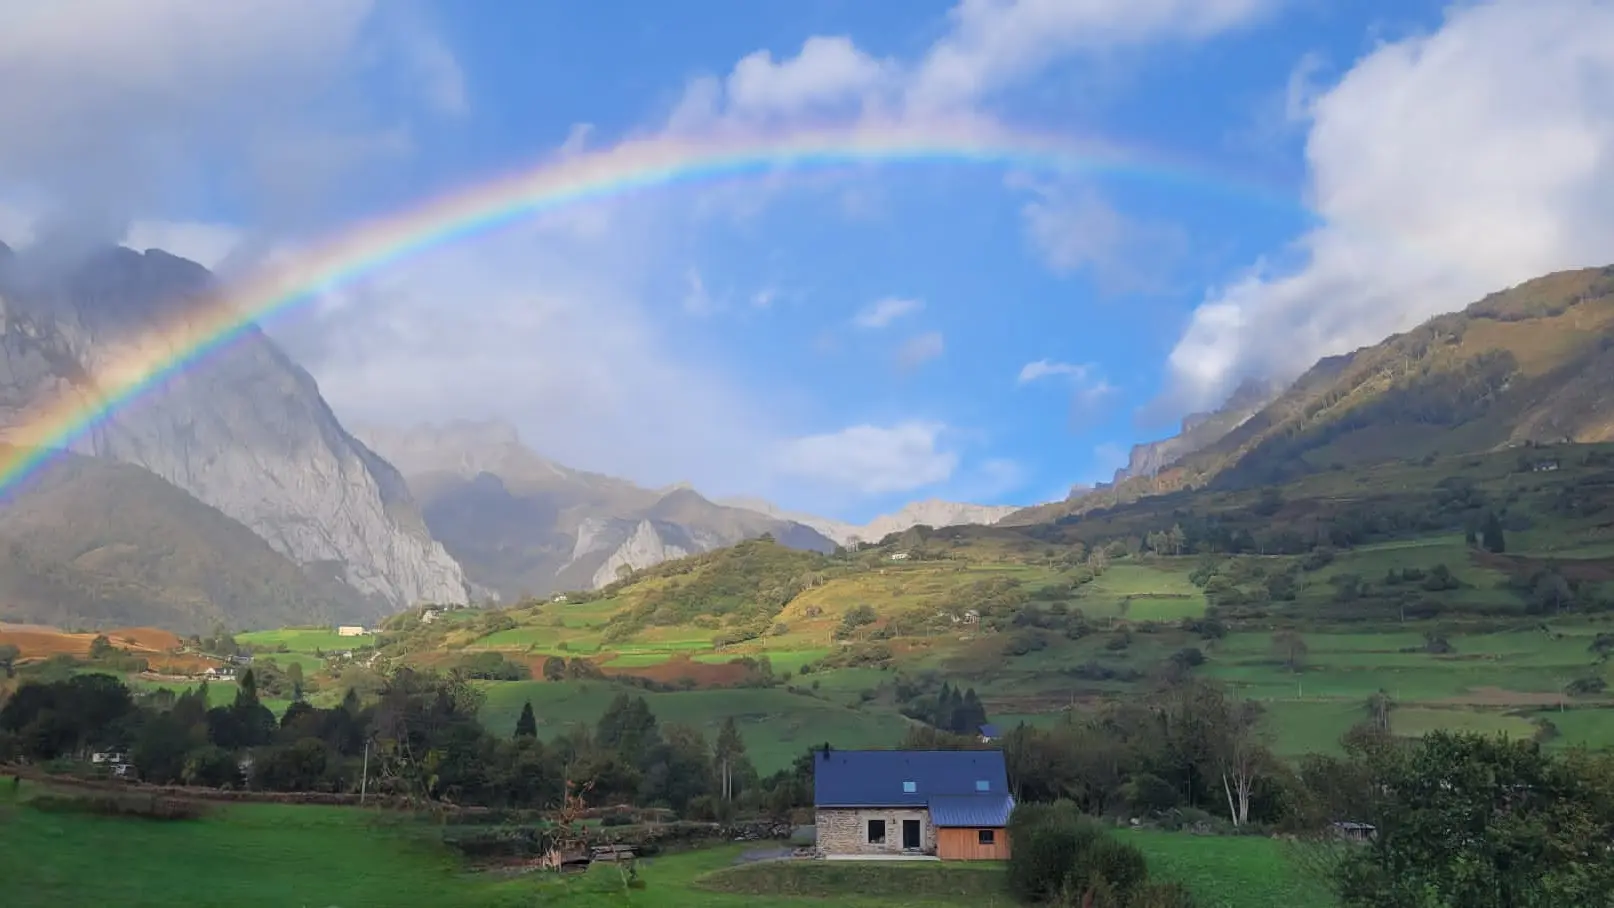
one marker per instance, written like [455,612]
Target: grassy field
[251,855]
[246,856]
[305,640]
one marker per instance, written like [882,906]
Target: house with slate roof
[953,804]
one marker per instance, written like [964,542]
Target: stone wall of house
[846,830]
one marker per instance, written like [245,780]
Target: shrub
[1059,854]
[1048,841]
[1118,863]
[1148,793]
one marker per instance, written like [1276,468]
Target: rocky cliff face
[525,525]
[1200,430]
[245,431]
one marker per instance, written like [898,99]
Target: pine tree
[527,725]
[246,691]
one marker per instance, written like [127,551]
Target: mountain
[931,512]
[1530,365]
[524,525]
[246,433]
[1200,430]
[94,542]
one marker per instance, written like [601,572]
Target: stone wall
[845,830]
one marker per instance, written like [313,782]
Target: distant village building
[899,556]
[1544,466]
[219,673]
[989,733]
[429,615]
[350,630]
[558,597]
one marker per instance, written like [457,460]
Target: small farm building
[953,804]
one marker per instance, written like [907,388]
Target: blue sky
[843,341]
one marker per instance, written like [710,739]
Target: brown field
[703,674]
[158,646]
[1591,570]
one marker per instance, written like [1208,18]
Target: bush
[1148,793]
[1048,840]
[1059,853]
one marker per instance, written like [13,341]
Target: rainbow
[633,165]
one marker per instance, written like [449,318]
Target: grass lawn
[1229,871]
[1144,592]
[304,640]
[246,856]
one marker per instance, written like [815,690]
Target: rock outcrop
[524,525]
[244,430]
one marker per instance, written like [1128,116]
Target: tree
[628,729]
[1290,647]
[1379,706]
[554,669]
[101,647]
[9,654]
[1491,534]
[728,755]
[527,724]
[1484,823]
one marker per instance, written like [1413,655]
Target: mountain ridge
[247,433]
[1530,364]
[525,525]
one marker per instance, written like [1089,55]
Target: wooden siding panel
[959,844]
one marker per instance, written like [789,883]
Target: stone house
[952,804]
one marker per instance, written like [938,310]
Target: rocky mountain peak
[245,431]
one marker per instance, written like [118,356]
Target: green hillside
[1534,363]
[1311,597]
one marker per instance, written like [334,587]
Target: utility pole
[364,777]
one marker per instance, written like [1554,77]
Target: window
[910,787]
[986,836]
[983,785]
[877,832]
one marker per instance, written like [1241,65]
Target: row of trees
[422,736]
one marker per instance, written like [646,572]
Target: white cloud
[988,45]
[920,349]
[828,72]
[205,244]
[433,66]
[883,312]
[871,460]
[1074,228]
[127,105]
[1445,166]
[557,332]
[1044,368]
[1089,389]
[994,43]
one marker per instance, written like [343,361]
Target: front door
[910,835]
